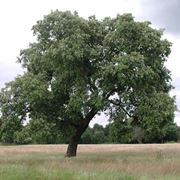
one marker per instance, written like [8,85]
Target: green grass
[124,165]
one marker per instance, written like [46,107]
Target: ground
[106,162]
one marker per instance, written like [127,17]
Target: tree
[80,67]
[86,137]
[157,116]
[10,118]
[171,132]
[43,132]
[98,135]
[154,121]
[23,136]
[120,130]
[95,135]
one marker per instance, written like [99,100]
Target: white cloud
[177,118]
[8,71]
[173,63]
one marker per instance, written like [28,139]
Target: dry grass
[150,161]
[174,147]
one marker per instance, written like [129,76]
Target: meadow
[93,162]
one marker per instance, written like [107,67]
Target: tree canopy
[80,67]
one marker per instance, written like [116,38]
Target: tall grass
[26,163]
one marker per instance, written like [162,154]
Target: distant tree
[171,132]
[121,131]
[156,114]
[39,131]
[154,121]
[95,135]
[138,135]
[8,129]
[79,67]
[107,133]
[98,136]
[87,136]
[178,132]
[42,132]
[10,118]
[23,136]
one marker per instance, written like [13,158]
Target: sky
[18,16]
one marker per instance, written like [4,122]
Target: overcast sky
[18,16]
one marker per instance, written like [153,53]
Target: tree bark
[72,146]
[74,140]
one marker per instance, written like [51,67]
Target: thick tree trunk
[72,147]
[73,143]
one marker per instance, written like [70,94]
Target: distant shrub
[22,137]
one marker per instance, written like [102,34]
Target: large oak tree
[80,67]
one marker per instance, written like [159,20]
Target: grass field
[96,162]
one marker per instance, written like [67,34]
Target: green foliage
[157,114]
[23,137]
[170,132]
[8,129]
[80,67]
[95,135]
[98,134]
[121,132]
[42,132]
[39,131]
[178,133]
[86,138]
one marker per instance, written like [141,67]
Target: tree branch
[90,115]
[119,104]
[106,96]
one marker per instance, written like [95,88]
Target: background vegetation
[40,132]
